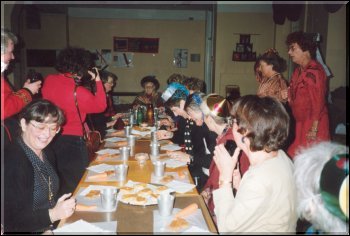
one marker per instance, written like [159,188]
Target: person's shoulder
[14,155]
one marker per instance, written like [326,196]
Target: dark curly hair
[194,84]
[306,43]
[179,78]
[271,57]
[263,120]
[74,60]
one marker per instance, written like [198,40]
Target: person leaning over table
[31,180]
[70,147]
[216,111]
[202,140]
[265,200]
[174,98]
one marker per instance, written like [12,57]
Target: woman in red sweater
[72,156]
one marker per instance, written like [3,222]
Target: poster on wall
[129,44]
[123,59]
[180,57]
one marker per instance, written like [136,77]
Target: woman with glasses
[31,201]
[265,200]
[104,120]
[150,95]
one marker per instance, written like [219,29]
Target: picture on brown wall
[244,38]
[239,47]
[236,56]
[120,44]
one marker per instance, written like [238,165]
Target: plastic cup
[124,153]
[108,198]
[154,149]
[158,168]
[165,204]
[127,130]
[121,172]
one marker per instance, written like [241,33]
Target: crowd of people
[251,174]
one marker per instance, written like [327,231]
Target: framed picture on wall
[248,47]
[236,56]
[239,47]
[244,38]
[120,44]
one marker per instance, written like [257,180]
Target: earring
[243,139]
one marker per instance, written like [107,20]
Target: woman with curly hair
[307,93]
[268,69]
[64,90]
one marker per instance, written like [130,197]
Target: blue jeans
[72,160]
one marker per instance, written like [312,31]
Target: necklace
[49,184]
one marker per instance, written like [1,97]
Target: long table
[137,219]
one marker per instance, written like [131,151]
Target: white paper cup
[108,198]
[124,153]
[121,172]
[158,168]
[165,204]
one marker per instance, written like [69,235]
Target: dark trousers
[72,159]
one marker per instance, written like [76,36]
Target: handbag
[92,138]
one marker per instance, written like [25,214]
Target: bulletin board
[142,45]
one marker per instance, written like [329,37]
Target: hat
[218,105]
[334,183]
[151,79]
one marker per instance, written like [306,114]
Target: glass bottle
[150,115]
[139,116]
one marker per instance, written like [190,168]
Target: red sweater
[12,102]
[59,89]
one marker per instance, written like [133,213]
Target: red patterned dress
[307,99]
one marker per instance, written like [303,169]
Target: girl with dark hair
[65,91]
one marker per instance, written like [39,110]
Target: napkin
[141,133]
[94,204]
[180,187]
[115,139]
[100,168]
[80,226]
[160,180]
[171,147]
[196,221]
[171,163]
[108,151]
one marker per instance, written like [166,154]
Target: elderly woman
[64,89]
[322,180]
[269,69]
[150,95]
[31,181]
[216,110]
[307,93]
[265,200]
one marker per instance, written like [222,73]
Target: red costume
[60,90]
[307,99]
[12,102]
[214,173]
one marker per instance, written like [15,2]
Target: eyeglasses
[42,128]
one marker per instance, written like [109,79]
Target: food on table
[126,190]
[181,174]
[81,207]
[93,194]
[178,224]
[190,209]
[145,192]
[167,179]
[161,189]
